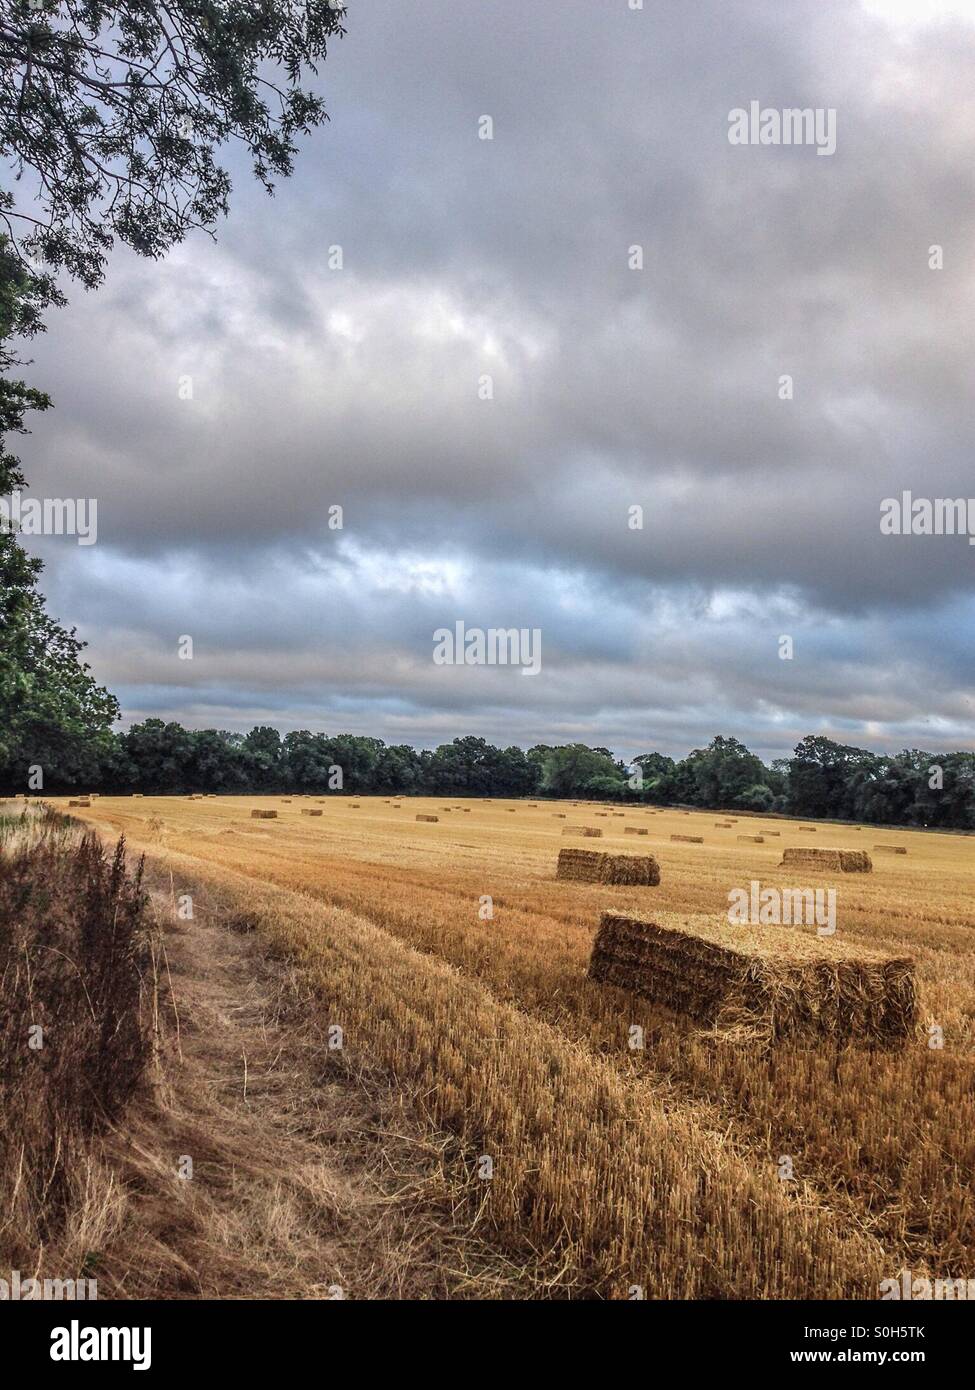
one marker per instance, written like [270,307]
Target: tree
[725,774]
[576,770]
[658,776]
[112,114]
[52,714]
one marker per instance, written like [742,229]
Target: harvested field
[783,985]
[497,1027]
[848,861]
[591,866]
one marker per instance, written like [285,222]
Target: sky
[219,403]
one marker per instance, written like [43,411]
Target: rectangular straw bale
[890,849]
[312,812]
[689,839]
[428,818]
[848,861]
[589,866]
[773,983]
[753,839]
[264,815]
[635,830]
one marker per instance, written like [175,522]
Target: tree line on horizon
[823,779]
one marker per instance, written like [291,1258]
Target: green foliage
[111,115]
[51,712]
[576,770]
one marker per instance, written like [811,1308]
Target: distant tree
[821,779]
[722,775]
[658,776]
[575,770]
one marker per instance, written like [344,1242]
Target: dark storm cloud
[612,387]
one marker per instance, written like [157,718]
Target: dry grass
[882,1142]
[77,1014]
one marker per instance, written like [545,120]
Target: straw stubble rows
[615,1165]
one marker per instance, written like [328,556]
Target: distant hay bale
[590,866]
[79,803]
[558,815]
[354,806]
[312,812]
[286,800]
[137,796]
[689,839]
[511,809]
[849,861]
[761,980]
[722,825]
[592,831]
[635,830]
[603,814]
[619,814]
[466,810]
[891,849]
[808,829]
[776,833]
[264,815]
[752,839]
[428,818]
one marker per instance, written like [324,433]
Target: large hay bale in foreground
[776,983]
[890,849]
[689,839]
[848,861]
[264,815]
[591,866]
[428,818]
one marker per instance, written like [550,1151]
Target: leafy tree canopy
[112,114]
